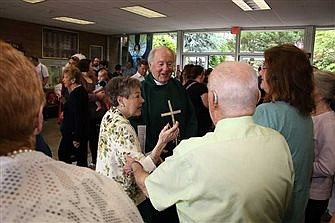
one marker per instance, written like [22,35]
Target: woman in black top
[198,95]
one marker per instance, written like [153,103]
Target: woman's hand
[168,133]
[127,166]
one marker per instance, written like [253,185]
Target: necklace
[14,153]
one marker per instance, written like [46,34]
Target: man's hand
[133,167]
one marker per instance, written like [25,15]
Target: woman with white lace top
[34,187]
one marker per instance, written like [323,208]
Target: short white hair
[79,56]
[152,53]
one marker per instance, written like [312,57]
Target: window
[165,39]
[59,43]
[196,60]
[96,51]
[324,49]
[217,59]
[259,41]
[208,49]
[209,42]
[254,61]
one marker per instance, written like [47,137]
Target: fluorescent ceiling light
[143,12]
[33,1]
[249,5]
[262,5]
[242,5]
[73,20]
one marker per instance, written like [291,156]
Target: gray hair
[121,86]
[325,81]
[152,53]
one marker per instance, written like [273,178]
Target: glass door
[196,60]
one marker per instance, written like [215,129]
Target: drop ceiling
[181,14]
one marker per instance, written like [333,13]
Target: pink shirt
[324,161]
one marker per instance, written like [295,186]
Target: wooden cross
[172,113]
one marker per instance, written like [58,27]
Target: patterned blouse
[116,139]
[36,188]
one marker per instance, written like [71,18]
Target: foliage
[215,60]
[324,50]
[251,42]
[209,42]
[200,42]
[165,39]
[227,46]
[260,41]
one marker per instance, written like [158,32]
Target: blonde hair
[73,73]
[21,98]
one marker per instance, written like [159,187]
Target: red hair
[21,98]
[290,77]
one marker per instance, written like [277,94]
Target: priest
[165,101]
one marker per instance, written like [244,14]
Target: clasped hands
[167,134]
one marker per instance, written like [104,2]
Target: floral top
[117,137]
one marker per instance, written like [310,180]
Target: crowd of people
[35,187]
[198,147]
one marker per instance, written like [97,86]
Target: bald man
[241,172]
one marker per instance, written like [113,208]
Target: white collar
[159,83]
